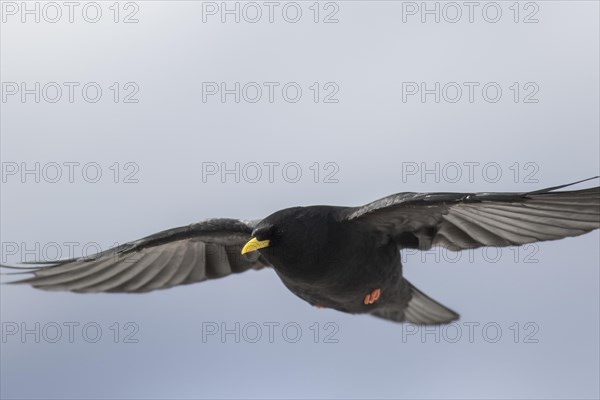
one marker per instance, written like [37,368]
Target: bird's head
[290,237]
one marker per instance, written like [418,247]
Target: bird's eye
[276,231]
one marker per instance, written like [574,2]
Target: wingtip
[551,189]
[18,281]
[17,267]
[16,273]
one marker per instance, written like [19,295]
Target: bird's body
[344,258]
[333,262]
[331,276]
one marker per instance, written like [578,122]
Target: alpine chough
[345,258]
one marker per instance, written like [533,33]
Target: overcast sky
[148,115]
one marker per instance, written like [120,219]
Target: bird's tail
[420,309]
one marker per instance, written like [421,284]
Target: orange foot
[319,306]
[373,296]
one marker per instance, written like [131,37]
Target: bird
[343,258]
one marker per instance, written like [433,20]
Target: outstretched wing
[205,250]
[468,220]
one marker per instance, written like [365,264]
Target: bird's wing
[468,220]
[205,250]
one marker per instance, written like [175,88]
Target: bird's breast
[342,284]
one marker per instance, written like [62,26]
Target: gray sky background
[544,299]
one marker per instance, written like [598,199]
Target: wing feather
[467,220]
[206,250]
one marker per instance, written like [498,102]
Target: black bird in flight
[345,258]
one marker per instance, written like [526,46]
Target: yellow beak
[254,244]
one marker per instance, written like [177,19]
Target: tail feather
[420,309]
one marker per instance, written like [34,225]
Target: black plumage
[345,258]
